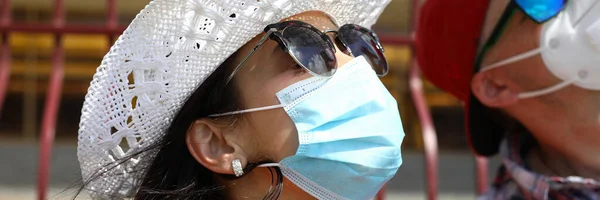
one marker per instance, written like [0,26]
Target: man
[529,74]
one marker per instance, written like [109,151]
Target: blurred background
[27,29]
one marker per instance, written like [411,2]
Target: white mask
[570,48]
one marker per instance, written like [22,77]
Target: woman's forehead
[495,10]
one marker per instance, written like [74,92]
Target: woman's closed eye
[289,61]
[298,70]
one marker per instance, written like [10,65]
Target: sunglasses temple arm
[258,45]
[377,41]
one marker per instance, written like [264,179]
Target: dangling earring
[237,167]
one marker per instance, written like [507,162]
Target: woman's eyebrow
[326,23]
[333,23]
[328,27]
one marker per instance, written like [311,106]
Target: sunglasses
[539,11]
[314,50]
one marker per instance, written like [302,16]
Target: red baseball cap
[447,38]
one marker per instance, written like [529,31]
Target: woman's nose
[341,57]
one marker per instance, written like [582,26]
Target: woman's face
[268,71]
[257,137]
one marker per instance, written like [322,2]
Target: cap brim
[483,133]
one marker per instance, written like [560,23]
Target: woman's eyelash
[298,70]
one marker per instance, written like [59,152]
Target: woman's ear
[210,148]
[492,93]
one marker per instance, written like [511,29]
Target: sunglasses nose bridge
[342,46]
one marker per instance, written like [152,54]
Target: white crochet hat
[159,61]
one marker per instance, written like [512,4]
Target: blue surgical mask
[349,131]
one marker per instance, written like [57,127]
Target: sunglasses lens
[360,43]
[309,49]
[541,10]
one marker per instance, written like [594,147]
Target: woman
[194,102]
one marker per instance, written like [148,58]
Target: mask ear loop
[248,110]
[266,107]
[548,90]
[526,95]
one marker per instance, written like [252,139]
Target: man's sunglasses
[539,11]
[315,51]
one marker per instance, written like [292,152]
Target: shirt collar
[535,185]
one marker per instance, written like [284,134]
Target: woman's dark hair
[174,173]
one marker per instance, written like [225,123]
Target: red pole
[403,40]
[481,164]
[395,39]
[5,54]
[429,134]
[51,29]
[410,42]
[6,13]
[381,194]
[52,103]
[112,23]
[414,15]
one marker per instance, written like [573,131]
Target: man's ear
[492,93]
[206,143]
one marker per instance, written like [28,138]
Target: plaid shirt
[516,181]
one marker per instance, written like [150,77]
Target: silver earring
[237,167]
